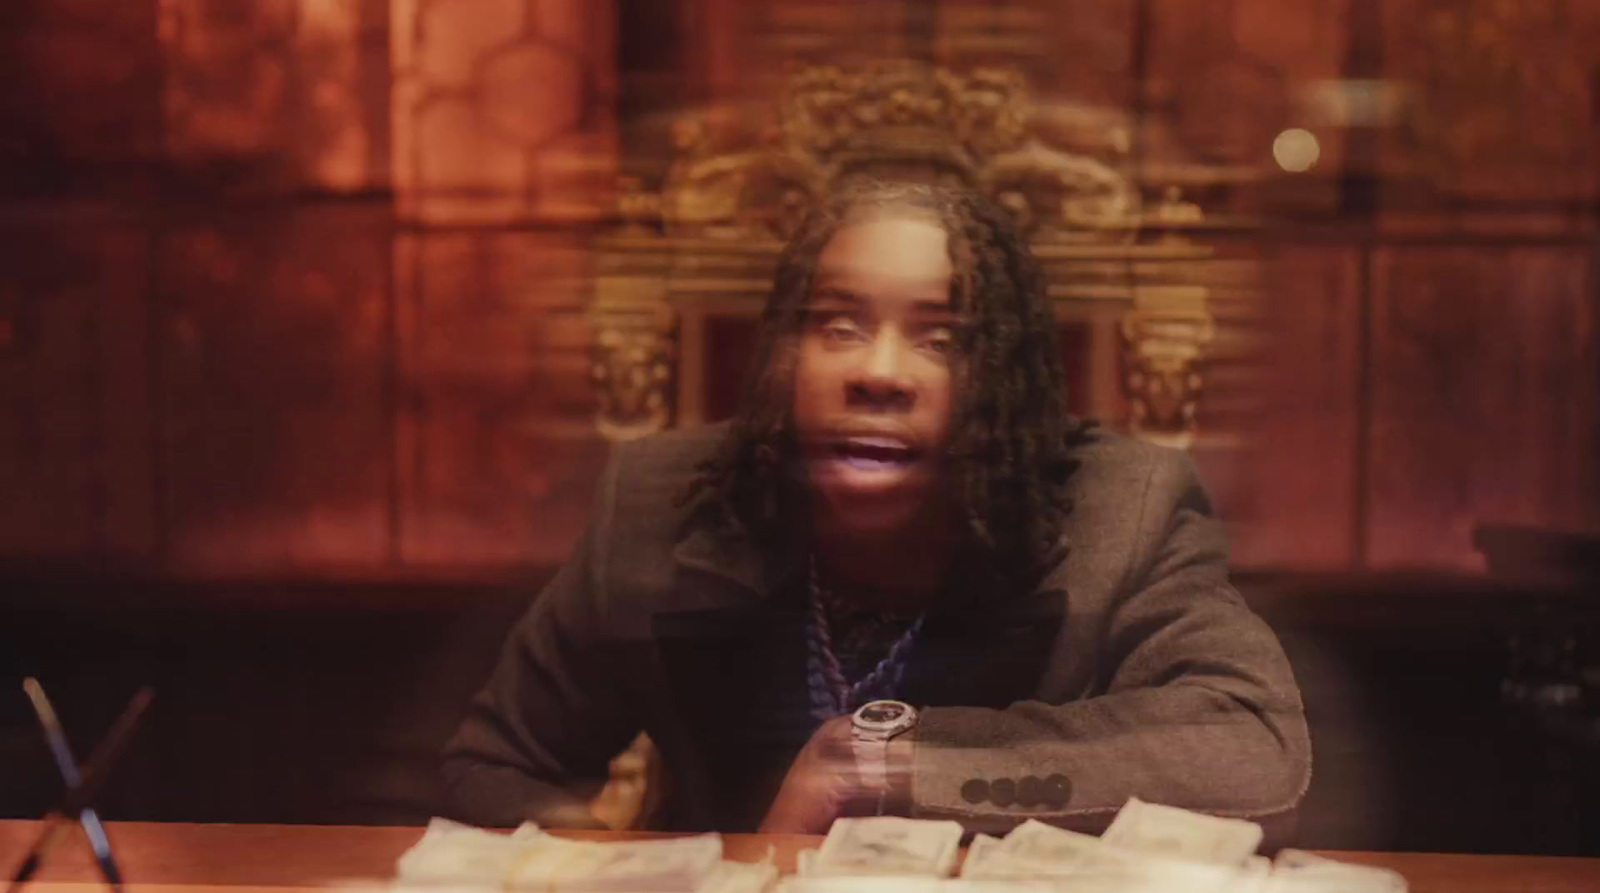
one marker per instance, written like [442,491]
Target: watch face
[882,712]
[884,717]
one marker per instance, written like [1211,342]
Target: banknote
[456,855]
[1083,863]
[802,862]
[674,864]
[450,853]
[984,859]
[739,877]
[1318,874]
[1047,849]
[1181,834]
[888,846]
[910,884]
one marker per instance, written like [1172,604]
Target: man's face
[872,397]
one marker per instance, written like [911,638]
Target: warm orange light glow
[1296,150]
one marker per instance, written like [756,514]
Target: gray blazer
[1134,669]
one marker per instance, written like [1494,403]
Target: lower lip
[863,475]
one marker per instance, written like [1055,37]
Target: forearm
[1187,744]
[536,741]
[901,758]
[499,796]
[531,748]
[1199,708]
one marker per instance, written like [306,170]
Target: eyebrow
[840,295]
[835,293]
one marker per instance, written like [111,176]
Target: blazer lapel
[988,652]
[732,654]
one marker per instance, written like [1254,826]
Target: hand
[821,785]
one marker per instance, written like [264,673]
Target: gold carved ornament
[1162,354]
[632,369]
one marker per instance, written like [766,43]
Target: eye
[839,328]
[938,339]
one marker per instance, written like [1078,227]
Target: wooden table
[187,858]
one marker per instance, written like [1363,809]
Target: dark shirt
[862,635]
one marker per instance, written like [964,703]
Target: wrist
[901,759]
[881,742]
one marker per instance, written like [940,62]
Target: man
[902,581]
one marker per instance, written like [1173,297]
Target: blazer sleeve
[1200,709]
[537,740]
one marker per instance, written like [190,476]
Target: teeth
[874,454]
[882,443]
[865,464]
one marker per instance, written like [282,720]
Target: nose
[881,381]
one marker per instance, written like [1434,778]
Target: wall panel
[274,413]
[496,447]
[1483,396]
[1302,481]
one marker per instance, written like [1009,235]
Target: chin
[872,518]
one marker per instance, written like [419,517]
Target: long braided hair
[1010,438]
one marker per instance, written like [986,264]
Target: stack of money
[456,856]
[1181,834]
[1148,848]
[1152,851]
[884,846]
[1315,874]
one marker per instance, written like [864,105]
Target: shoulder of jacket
[646,480]
[1106,457]
[675,453]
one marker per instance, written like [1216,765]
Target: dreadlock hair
[1010,435]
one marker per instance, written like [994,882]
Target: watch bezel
[884,728]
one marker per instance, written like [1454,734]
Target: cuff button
[1002,792]
[1031,791]
[976,790]
[1057,790]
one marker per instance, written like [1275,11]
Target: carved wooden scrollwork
[891,120]
[843,118]
[633,359]
[1163,349]
[634,353]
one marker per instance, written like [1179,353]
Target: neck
[899,569]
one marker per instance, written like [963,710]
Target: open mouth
[874,453]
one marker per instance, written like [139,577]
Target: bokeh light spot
[1296,150]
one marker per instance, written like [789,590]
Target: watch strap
[872,762]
